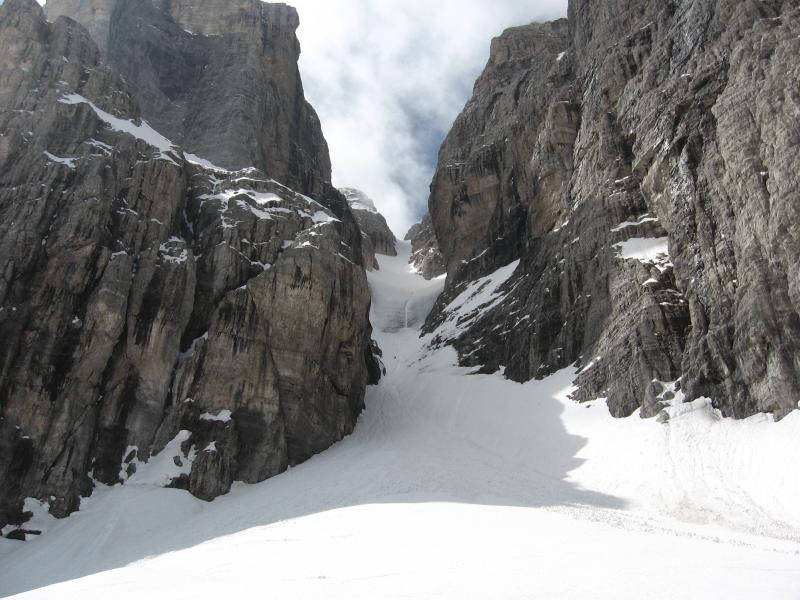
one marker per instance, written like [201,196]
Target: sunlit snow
[222,416]
[644,249]
[67,162]
[455,486]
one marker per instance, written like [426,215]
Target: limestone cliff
[377,238]
[219,78]
[638,160]
[146,295]
[426,257]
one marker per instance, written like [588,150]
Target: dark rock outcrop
[152,303]
[426,257]
[377,237]
[219,78]
[593,145]
[21,535]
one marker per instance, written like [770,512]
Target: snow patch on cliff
[479,297]
[141,131]
[223,416]
[644,249]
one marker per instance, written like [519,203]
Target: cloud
[389,78]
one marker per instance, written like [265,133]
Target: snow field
[456,486]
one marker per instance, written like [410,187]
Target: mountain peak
[177,55]
[358,200]
[377,237]
[17,12]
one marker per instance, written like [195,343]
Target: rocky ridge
[426,257]
[149,300]
[377,238]
[623,186]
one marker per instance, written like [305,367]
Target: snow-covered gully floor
[456,486]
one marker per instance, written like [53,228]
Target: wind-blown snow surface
[456,486]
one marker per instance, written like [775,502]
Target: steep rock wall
[151,302]
[219,78]
[377,238]
[426,257]
[638,161]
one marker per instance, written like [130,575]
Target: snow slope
[456,486]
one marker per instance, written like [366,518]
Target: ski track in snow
[455,486]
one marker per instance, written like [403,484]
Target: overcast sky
[389,78]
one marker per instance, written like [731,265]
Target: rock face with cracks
[426,257]
[639,161]
[219,78]
[377,238]
[149,300]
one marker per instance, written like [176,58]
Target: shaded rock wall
[145,298]
[219,78]
[634,126]
[426,257]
